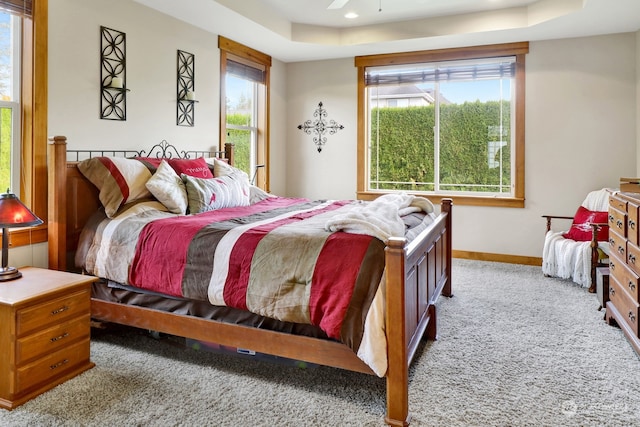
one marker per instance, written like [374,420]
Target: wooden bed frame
[416,274]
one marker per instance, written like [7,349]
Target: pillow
[216,193]
[168,188]
[119,180]
[581,230]
[151,162]
[192,167]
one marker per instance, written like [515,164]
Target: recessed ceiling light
[351,15]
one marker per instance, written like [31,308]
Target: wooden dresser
[44,332]
[624,265]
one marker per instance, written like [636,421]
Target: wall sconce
[320,126]
[113,75]
[12,214]
[185,108]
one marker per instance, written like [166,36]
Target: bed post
[445,206]
[228,153]
[397,352]
[57,224]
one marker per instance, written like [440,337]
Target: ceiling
[305,30]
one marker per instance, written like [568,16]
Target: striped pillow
[118,179]
[216,193]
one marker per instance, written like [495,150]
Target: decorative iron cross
[319,126]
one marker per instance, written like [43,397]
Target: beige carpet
[515,349]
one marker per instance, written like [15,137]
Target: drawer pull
[65,361]
[632,317]
[632,224]
[60,310]
[66,334]
[632,258]
[612,291]
[632,285]
[612,266]
[620,250]
[619,224]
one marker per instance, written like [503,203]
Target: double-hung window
[446,123]
[244,113]
[10,129]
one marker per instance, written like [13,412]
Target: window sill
[27,236]
[501,202]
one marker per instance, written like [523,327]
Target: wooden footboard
[416,274]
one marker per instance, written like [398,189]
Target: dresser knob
[632,258]
[60,310]
[632,285]
[632,316]
[632,224]
[620,250]
[65,361]
[612,291]
[59,337]
[619,224]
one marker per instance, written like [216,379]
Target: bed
[415,273]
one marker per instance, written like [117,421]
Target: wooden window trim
[519,50]
[230,49]
[33,181]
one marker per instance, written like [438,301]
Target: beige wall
[581,114]
[580,135]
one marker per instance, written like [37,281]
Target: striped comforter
[274,258]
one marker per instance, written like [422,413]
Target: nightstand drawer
[52,312]
[56,364]
[52,339]
[627,307]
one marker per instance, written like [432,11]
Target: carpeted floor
[514,349]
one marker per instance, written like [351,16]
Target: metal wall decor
[185,109]
[113,74]
[319,127]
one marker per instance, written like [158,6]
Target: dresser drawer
[54,365]
[627,279]
[618,221]
[617,245]
[617,203]
[52,339]
[51,312]
[632,222]
[633,257]
[627,307]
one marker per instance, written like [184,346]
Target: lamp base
[9,273]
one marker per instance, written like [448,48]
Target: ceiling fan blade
[337,4]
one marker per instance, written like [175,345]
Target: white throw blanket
[380,218]
[569,259]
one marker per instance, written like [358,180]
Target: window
[244,114]
[29,178]
[456,128]
[10,40]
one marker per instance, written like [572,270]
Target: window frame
[230,50]
[519,50]
[33,92]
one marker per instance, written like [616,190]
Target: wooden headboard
[73,199]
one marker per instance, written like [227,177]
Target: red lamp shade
[13,213]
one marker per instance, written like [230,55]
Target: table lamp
[12,214]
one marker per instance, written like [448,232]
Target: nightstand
[44,332]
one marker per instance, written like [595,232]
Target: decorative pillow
[118,179]
[192,167]
[168,188]
[151,162]
[216,193]
[581,230]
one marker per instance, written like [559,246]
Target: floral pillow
[168,188]
[216,193]
[118,179]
